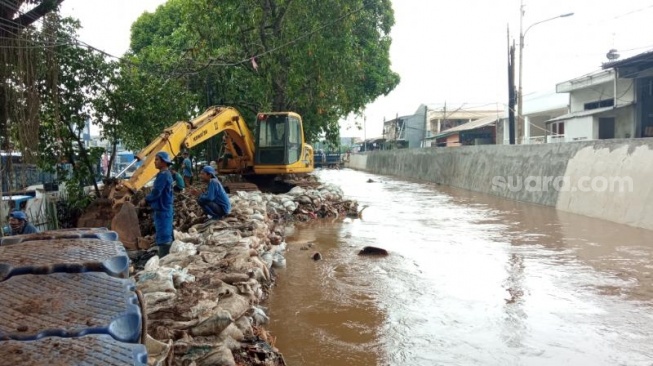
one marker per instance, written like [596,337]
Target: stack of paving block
[66,299]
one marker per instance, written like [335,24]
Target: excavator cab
[279,145]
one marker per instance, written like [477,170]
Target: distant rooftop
[641,59]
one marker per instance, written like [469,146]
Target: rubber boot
[164,249]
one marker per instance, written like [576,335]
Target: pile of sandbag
[203,300]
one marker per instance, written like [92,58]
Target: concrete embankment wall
[607,179]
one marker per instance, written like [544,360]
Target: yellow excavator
[277,147]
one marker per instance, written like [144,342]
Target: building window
[558,128]
[600,104]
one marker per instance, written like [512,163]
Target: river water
[471,279]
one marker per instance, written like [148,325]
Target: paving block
[69,305]
[64,255]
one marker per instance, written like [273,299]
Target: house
[539,108]
[614,102]
[441,119]
[406,131]
[601,106]
[481,131]
[635,73]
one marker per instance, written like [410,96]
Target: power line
[210,63]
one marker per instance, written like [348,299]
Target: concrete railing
[555,138]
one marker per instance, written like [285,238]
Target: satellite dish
[612,55]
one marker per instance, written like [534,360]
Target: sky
[452,52]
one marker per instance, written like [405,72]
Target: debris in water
[373,251]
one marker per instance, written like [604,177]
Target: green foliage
[144,104]
[74,80]
[77,197]
[323,59]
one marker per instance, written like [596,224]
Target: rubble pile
[204,299]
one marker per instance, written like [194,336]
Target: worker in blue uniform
[215,201]
[19,225]
[160,199]
[187,169]
[178,183]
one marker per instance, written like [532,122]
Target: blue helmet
[165,157]
[209,170]
[20,215]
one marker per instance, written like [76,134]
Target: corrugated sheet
[586,113]
[481,122]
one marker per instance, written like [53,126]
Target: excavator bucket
[125,223]
[101,213]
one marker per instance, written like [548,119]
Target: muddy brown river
[471,279]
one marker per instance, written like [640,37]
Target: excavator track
[271,184]
[233,187]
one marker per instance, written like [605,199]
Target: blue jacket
[26,229]
[187,168]
[179,181]
[216,193]
[160,199]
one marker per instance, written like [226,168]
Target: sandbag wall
[204,299]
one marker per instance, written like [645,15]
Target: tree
[135,106]
[145,103]
[73,79]
[322,59]
[13,56]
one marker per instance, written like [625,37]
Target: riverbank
[203,300]
[606,179]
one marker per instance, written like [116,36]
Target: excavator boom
[278,148]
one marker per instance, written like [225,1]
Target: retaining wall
[607,179]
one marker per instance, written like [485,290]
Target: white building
[601,106]
[538,109]
[615,102]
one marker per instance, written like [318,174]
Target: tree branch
[37,13]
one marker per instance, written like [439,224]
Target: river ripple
[471,280]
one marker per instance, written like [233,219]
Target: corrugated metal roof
[586,113]
[481,122]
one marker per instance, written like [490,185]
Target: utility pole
[520,120]
[444,117]
[520,112]
[511,90]
[365,133]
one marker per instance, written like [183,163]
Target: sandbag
[156,301]
[159,280]
[213,325]
[157,352]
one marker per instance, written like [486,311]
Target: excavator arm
[115,207]
[190,134]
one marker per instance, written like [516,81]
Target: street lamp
[521,125]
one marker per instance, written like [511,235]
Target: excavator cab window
[278,140]
[294,139]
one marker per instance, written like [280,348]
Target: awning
[481,122]
[586,113]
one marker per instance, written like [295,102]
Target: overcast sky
[451,51]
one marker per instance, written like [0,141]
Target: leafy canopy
[323,59]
